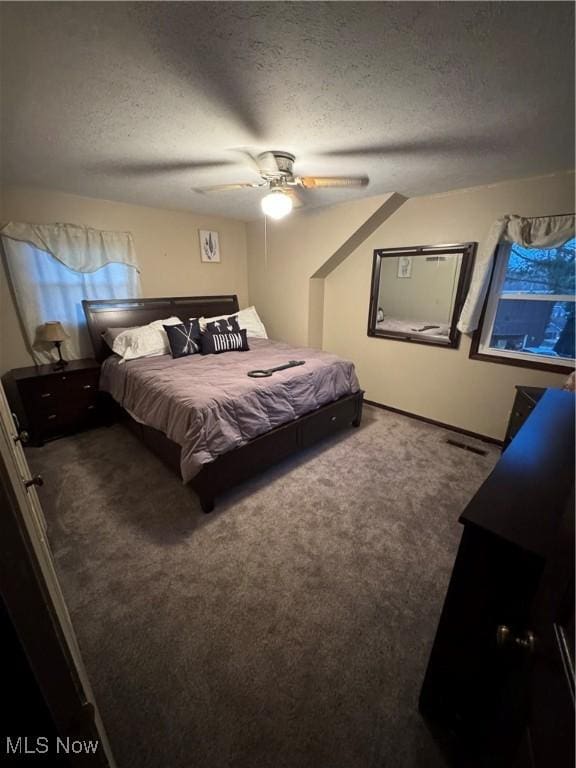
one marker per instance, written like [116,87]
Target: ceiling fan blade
[323,182]
[162,166]
[228,187]
[425,146]
[248,158]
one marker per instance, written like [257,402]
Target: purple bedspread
[208,405]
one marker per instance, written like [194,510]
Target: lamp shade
[52,331]
[276,204]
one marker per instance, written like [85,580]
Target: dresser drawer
[327,421]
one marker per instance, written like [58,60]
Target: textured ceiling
[123,100]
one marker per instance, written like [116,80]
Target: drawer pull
[36,480]
[46,394]
[87,386]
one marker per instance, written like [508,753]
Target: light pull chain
[266,242]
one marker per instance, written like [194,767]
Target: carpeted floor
[288,629]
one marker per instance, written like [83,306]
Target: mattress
[209,405]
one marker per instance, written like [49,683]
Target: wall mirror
[418,292]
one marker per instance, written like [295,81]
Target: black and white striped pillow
[215,343]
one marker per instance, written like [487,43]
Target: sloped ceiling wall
[283,256]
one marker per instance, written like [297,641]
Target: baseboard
[467,432]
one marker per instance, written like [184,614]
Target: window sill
[539,365]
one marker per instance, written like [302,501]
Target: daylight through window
[530,309]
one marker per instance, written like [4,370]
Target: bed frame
[238,465]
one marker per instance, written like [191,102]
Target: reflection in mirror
[417,293]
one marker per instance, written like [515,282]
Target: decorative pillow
[215,343]
[145,341]
[247,319]
[222,325]
[184,339]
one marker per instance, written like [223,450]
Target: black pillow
[184,339]
[215,343]
[224,325]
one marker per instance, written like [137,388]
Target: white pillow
[145,341]
[248,320]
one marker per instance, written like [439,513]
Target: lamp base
[60,363]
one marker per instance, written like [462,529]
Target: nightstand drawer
[82,382]
[52,423]
[41,391]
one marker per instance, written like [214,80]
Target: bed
[428,329]
[203,415]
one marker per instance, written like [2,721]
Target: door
[548,736]
[30,590]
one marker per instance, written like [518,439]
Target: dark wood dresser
[49,403]
[492,644]
[525,401]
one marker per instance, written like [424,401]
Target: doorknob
[22,437]
[36,480]
[505,638]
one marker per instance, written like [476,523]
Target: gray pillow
[110,334]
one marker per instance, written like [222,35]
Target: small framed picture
[209,246]
[404,266]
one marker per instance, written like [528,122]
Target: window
[529,313]
[46,289]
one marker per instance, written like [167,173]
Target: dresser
[525,401]
[49,403]
[493,651]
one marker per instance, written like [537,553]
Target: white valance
[81,249]
[541,232]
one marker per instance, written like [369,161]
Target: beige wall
[166,245]
[440,384]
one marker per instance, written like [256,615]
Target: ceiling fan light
[276,205]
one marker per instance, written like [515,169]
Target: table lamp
[53,332]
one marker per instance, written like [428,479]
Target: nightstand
[524,403]
[49,403]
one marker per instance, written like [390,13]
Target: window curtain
[541,232]
[81,249]
[53,267]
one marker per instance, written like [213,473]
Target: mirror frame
[468,252]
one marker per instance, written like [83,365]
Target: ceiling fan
[276,171]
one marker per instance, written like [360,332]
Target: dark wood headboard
[128,313]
